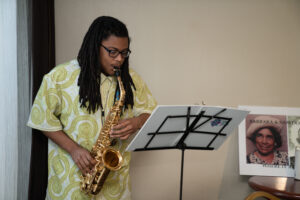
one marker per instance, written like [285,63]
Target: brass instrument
[106,157]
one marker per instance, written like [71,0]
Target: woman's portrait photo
[266,140]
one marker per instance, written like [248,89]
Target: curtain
[8,101]
[43,60]
[24,96]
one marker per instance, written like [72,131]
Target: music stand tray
[187,127]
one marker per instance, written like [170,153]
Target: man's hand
[80,155]
[127,127]
[83,159]
[124,128]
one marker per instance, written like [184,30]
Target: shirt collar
[106,78]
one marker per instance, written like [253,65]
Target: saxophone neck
[121,93]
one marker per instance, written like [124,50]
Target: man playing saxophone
[71,106]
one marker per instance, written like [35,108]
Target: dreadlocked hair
[89,61]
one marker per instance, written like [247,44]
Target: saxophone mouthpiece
[117,70]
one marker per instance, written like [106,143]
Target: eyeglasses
[114,52]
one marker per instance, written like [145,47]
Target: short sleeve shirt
[56,107]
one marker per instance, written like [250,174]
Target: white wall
[8,102]
[222,52]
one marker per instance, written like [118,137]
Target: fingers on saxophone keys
[124,137]
[90,163]
[85,167]
[85,171]
[81,168]
[116,133]
[85,161]
[91,160]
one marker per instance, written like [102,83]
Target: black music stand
[186,127]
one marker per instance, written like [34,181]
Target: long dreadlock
[89,61]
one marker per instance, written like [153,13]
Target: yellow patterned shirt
[56,107]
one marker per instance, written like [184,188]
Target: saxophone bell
[112,159]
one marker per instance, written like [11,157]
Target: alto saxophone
[106,157]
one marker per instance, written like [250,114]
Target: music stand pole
[181,174]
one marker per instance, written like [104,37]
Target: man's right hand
[83,159]
[80,155]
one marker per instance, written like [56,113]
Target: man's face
[264,141]
[107,62]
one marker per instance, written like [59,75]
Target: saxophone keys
[100,167]
[94,188]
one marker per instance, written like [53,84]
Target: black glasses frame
[111,52]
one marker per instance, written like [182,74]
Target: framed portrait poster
[267,141]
